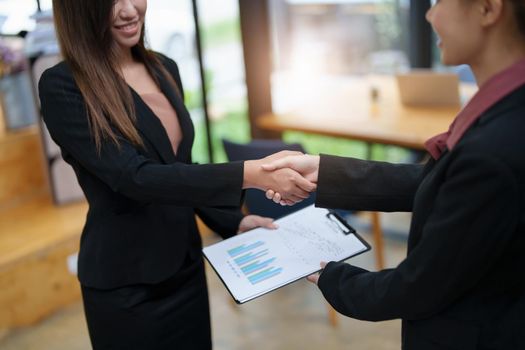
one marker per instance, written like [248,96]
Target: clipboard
[260,261]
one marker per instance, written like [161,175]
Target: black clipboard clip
[341,223]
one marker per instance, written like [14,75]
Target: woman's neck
[486,69]
[499,53]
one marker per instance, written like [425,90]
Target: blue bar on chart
[244,259]
[264,275]
[256,266]
[244,248]
[248,257]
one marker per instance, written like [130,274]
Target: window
[171,30]
[17,15]
[340,36]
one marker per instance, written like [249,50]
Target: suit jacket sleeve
[348,183]
[124,169]
[223,221]
[475,214]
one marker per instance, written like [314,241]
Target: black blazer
[462,284]
[142,202]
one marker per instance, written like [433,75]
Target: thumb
[267,223]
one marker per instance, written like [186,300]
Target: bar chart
[254,262]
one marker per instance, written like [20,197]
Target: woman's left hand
[315,277]
[253,221]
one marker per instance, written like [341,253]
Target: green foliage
[317,144]
[234,127]
[221,33]
[388,26]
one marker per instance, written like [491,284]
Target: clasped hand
[305,165]
[279,174]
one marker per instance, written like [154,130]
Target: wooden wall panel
[22,175]
[36,240]
[38,285]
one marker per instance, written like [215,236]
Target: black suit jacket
[142,202]
[462,284]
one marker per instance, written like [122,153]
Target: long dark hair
[84,33]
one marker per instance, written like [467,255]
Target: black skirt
[173,314]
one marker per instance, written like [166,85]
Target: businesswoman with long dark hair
[462,284]
[116,110]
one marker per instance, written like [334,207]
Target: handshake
[287,177]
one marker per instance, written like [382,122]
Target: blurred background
[296,71]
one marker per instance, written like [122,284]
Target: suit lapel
[152,129]
[182,114]
[168,91]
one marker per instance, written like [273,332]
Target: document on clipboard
[262,260]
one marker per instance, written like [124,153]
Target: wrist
[251,174]
[316,160]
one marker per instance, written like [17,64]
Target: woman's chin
[127,44]
[447,60]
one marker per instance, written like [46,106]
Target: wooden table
[345,107]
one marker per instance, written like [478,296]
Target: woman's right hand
[290,184]
[306,165]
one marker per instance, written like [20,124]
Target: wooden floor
[293,317]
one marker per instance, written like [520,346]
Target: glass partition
[171,30]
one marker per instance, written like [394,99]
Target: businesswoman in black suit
[462,284]
[116,110]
